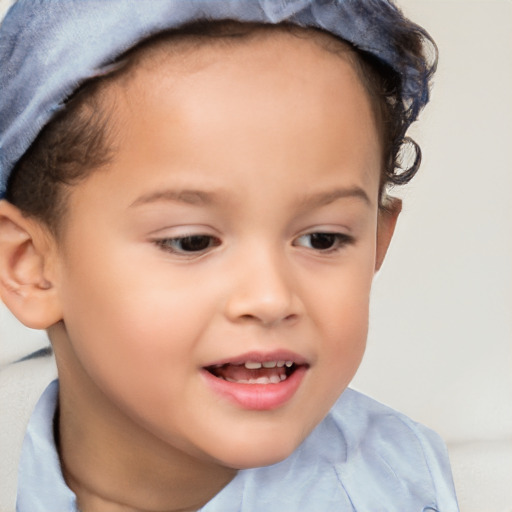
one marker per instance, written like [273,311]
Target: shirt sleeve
[392,463]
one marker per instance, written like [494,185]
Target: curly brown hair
[79,139]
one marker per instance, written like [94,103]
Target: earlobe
[388,216]
[26,285]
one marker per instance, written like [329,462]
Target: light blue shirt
[363,457]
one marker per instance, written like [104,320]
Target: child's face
[201,245]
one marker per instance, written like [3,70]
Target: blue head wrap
[49,47]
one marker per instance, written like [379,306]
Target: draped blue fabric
[49,47]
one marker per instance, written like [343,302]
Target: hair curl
[78,140]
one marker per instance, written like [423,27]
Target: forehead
[183,56]
[286,56]
[288,102]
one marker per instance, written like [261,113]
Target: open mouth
[257,382]
[253,372]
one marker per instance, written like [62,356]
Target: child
[194,207]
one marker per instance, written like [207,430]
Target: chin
[257,451]
[244,462]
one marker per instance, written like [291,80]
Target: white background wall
[440,345]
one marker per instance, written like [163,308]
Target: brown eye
[194,243]
[324,241]
[188,244]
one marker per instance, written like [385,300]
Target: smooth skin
[253,148]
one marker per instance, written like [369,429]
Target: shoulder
[21,385]
[362,457]
[365,422]
[397,455]
[362,419]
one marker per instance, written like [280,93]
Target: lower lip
[257,397]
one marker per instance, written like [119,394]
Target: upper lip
[260,357]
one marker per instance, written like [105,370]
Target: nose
[263,290]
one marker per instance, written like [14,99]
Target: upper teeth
[273,379]
[253,365]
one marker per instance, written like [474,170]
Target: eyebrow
[203,198]
[325,198]
[187,196]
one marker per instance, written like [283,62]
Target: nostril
[264,305]
[269,320]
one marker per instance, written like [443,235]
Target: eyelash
[199,244]
[338,241]
[170,244]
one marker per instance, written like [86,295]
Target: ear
[388,215]
[26,252]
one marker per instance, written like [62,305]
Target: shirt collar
[41,486]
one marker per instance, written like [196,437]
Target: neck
[113,464]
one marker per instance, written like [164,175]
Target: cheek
[130,322]
[341,296]
[138,349]
[342,315]
[345,329]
